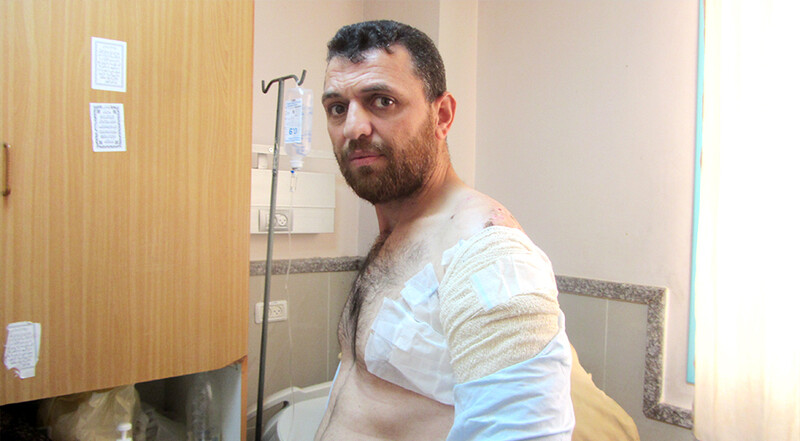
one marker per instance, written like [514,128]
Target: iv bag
[297,112]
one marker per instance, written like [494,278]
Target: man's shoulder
[475,211]
[468,213]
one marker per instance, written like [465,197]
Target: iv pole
[268,277]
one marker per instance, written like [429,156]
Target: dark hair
[353,40]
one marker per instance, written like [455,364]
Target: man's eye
[336,109]
[383,102]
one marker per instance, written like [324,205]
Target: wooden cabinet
[135,263]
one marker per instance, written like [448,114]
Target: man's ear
[445,111]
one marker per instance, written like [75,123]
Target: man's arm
[505,332]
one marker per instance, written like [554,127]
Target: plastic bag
[161,428]
[93,416]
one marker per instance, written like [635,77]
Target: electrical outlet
[283,221]
[278,311]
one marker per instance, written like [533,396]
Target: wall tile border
[653,297]
[312,265]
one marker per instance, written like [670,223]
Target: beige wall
[458,44]
[422,14]
[586,133]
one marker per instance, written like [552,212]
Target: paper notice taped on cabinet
[108,127]
[22,348]
[109,59]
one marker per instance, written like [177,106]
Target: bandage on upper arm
[498,302]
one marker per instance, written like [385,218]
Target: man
[452,328]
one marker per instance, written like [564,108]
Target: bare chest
[384,275]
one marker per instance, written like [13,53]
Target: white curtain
[747,384]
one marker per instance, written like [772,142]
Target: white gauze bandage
[406,345]
[498,301]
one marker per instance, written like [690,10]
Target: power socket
[278,311]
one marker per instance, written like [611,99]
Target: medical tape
[448,254]
[421,296]
[409,353]
[512,275]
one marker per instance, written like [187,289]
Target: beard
[406,169]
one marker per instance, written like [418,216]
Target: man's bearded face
[405,169]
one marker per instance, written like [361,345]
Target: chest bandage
[406,345]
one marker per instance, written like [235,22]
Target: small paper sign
[108,127]
[22,348]
[109,64]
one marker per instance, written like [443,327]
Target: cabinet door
[135,263]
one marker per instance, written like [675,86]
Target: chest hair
[387,266]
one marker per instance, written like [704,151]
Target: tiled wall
[610,337]
[303,350]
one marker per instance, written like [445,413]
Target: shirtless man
[452,328]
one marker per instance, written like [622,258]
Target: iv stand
[268,277]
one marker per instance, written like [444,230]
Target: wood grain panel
[136,262]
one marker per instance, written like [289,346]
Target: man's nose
[357,123]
